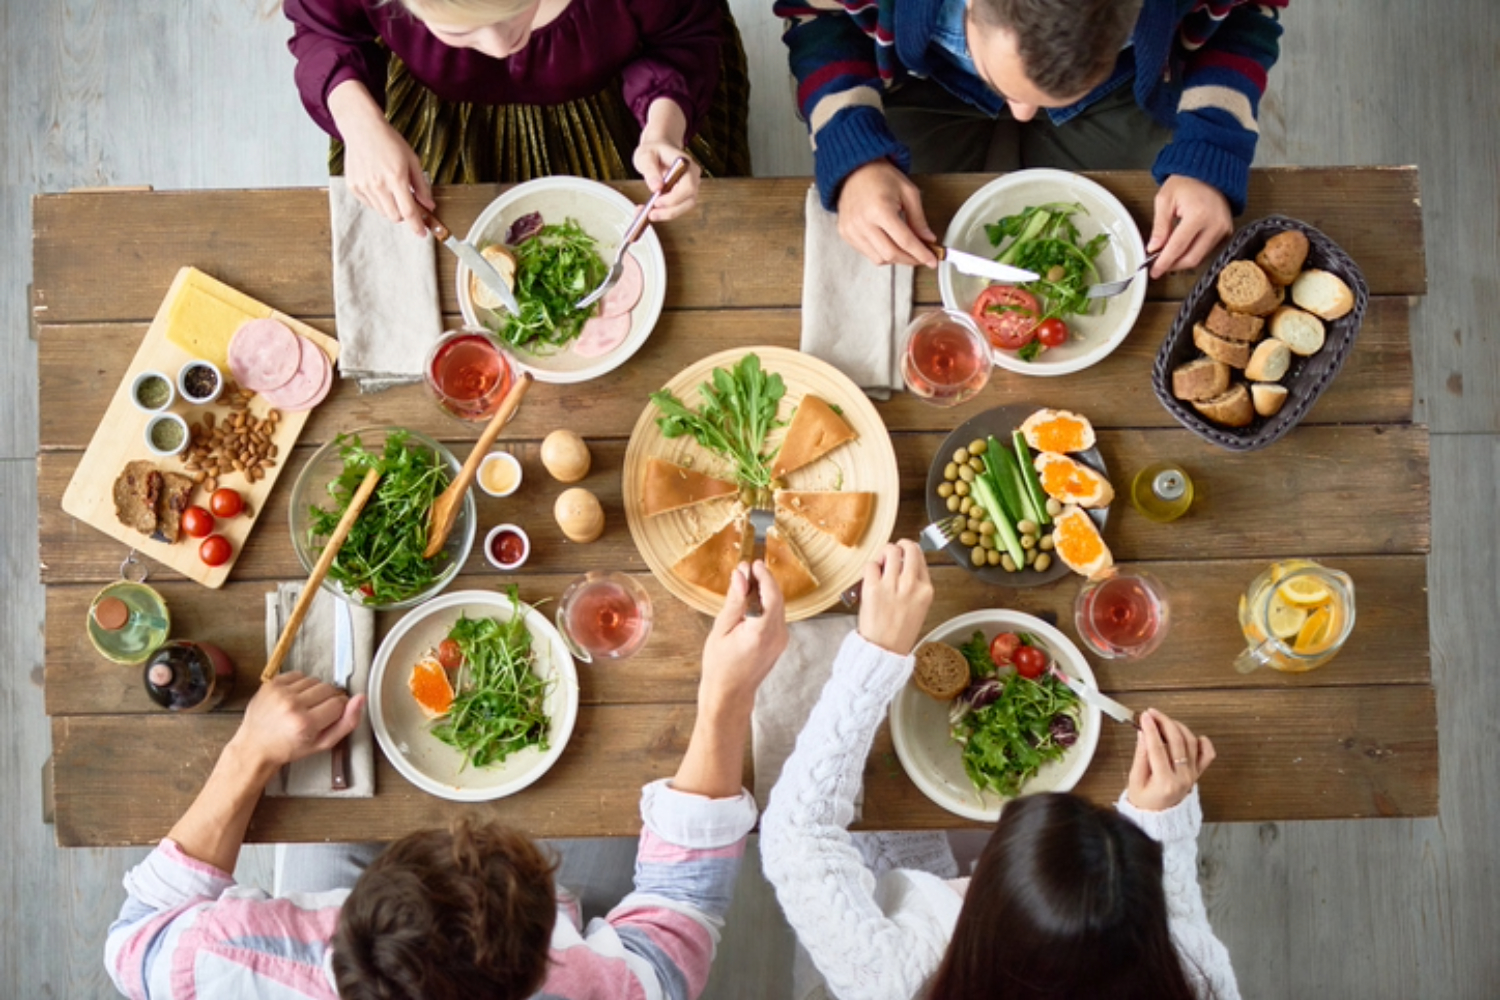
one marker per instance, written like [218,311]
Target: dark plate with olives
[1001,422]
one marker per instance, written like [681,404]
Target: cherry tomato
[226,502]
[449,655]
[1052,332]
[197,522]
[215,550]
[1030,662]
[1003,647]
[1007,315]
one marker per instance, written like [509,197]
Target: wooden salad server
[445,511]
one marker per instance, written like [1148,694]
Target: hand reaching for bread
[896,595]
[1191,218]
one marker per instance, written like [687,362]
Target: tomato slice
[1007,315]
[1052,332]
[449,655]
[1003,647]
[1031,662]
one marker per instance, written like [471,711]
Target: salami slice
[310,383]
[626,292]
[601,335]
[264,354]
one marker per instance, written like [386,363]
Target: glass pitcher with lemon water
[1295,617]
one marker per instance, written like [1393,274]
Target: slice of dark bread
[941,671]
[1234,326]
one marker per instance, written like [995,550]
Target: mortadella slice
[264,354]
[310,384]
[601,335]
[626,292]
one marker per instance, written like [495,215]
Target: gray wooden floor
[200,95]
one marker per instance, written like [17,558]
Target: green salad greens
[381,560]
[497,702]
[1007,725]
[555,268]
[1044,239]
[738,411]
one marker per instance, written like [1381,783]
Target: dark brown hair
[1067,46]
[1066,901]
[448,915]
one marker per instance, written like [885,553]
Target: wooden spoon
[320,570]
[445,511]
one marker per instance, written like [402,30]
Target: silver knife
[1102,702]
[474,261]
[343,670]
[983,267]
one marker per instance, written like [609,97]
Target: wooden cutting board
[213,309]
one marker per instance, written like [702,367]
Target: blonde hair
[475,13]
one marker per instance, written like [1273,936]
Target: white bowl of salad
[560,235]
[1074,234]
[1015,731]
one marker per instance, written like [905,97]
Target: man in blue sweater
[997,85]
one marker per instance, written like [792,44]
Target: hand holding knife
[343,670]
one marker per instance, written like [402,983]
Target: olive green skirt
[465,143]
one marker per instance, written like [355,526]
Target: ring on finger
[1180,760]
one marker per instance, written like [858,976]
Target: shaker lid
[111,613]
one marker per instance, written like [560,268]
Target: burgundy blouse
[659,48]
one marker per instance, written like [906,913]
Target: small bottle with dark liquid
[188,676]
[1162,492]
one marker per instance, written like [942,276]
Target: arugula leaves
[738,411]
[554,269]
[1045,240]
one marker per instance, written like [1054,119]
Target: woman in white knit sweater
[1068,899]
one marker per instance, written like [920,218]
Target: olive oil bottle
[1162,492]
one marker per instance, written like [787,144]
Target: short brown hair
[448,915]
[1067,46]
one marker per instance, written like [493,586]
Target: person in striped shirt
[926,86]
[461,913]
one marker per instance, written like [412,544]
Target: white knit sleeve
[1204,956]
[864,951]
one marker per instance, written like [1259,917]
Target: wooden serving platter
[868,463]
[120,437]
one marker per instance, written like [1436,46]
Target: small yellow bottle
[1162,492]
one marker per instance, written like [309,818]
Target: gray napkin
[853,311]
[385,295]
[312,654]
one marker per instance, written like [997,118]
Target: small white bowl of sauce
[499,474]
[507,547]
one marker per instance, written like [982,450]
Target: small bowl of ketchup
[507,547]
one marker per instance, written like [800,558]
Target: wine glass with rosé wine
[946,359]
[467,373]
[1123,615]
[604,616]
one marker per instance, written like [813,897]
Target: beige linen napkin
[853,311]
[385,295]
[312,654]
[787,695]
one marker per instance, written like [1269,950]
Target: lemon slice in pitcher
[1316,634]
[1305,591]
[1285,618]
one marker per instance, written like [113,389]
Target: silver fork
[761,519]
[1109,289]
[633,232]
[935,537]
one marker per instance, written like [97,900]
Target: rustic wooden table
[1355,738]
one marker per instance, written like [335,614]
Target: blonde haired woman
[474,91]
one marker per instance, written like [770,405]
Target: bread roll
[1301,331]
[1234,326]
[1283,256]
[1245,288]
[1232,408]
[1201,379]
[1231,352]
[941,671]
[1269,362]
[1268,398]
[1322,294]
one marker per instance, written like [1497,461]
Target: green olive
[977,464]
[979,512]
[953,503]
[1008,562]
[993,557]
[977,556]
[964,504]
[950,472]
[961,456]
[1027,527]
[978,446]
[962,488]
[965,473]
[987,541]
[1030,556]
[1056,273]
[974,522]
[1054,507]
[1028,541]
[1047,544]
[945,490]
[1043,561]
[987,528]
[968,538]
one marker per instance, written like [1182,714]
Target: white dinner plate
[404,731]
[1095,335]
[934,762]
[604,214]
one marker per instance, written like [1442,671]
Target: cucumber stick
[1026,504]
[1002,467]
[984,489]
[1028,472]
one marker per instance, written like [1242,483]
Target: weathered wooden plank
[1321,490]
[741,247]
[1374,386]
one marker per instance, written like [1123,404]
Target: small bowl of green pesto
[152,392]
[166,435]
[200,381]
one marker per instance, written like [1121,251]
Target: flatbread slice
[843,514]
[672,487]
[787,566]
[136,491]
[711,564]
[815,431]
[175,491]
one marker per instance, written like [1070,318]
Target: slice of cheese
[672,487]
[206,313]
[842,514]
[787,566]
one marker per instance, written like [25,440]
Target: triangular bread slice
[843,514]
[815,431]
[672,487]
[787,566]
[712,562]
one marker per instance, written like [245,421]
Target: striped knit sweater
[188,931]
[1199,67]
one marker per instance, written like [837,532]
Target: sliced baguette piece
[1069,481]
[1234,326]
[1077,542]
[941,671]
[1283,256]
[1268,398]
[1245,288]
[1301,331]
[1200,379]
[504,263]
[1232,408]
[1322,294]
[1058,430]
[1231,352]
[1269,362]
